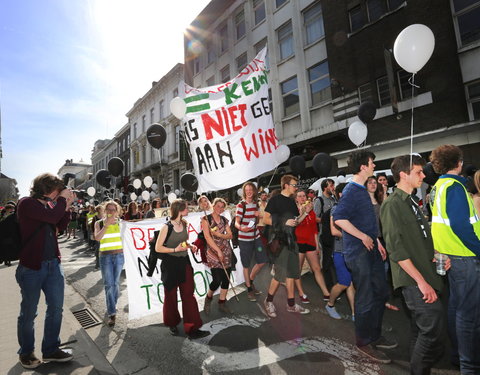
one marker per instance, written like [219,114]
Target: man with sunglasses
[410,246]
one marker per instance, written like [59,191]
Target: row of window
[467,16]
[313,31]
[370,11]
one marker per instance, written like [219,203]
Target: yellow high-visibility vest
[111,240]
[444,238]
[90,217]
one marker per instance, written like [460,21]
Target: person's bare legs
[314,263]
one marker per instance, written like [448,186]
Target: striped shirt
[249,216]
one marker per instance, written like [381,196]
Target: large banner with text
[229,128]
[146,294]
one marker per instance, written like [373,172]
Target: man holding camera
[40,216]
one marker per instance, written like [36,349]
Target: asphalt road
[246,342]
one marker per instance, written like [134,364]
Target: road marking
[199,351]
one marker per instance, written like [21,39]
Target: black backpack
[327,237]
[233,228]
[11,239]
[154,256]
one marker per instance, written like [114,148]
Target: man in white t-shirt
[249,241]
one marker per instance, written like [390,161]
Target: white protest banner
[145,294]
[229,128]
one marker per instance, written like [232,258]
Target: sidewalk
[88,358]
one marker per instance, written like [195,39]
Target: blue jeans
[111,266]
[464,311]
[49,279]
[428,324]
[371,293]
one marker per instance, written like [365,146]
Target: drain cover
[86,318]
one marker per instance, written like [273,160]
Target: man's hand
[291,223]
[382,250]
[429,294]
[367,242]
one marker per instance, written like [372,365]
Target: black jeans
[371,293]
[428,324]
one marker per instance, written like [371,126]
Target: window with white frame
[210,47]
[473,92]
[319,78]
[285,40]
[211,81]
[135,131]
[365,93]
[152,114]
[291,101]
[225,74]
[376,9]
[404,85]
[161,112]
[241,62]
[259,11]
[144,122]
[196,65]
[467,18]
[239,25]
[279,3]
[177,139]
[383,90]
[144,154]
[357,18]
[223,36]
[313,21]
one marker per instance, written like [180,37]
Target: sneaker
[297,309]
[223,307]
[197,334]
[251,296]
[384,343]
[29,361]
[255,290]
[207,305]
[59,355]
[353,318]
[332,312]
[270,309]
[374,354]
[304,299]
[327,298]
[173,331]
[111,321]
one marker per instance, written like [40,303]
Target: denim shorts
[344,276]
[250,248]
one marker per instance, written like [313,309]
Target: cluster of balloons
[358,131]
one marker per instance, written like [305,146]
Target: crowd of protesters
[365,238]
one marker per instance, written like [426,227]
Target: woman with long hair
[308,247]
[111,259]
[156,203]
[177,273]
[377,195]
[219,254]
[132,212]
[204,204]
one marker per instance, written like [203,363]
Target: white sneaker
[332,312]
[270,309]
[297,309]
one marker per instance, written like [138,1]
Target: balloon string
[411,81]
[271,179]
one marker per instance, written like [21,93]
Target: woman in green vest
[107,231]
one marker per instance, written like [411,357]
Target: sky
[71,70]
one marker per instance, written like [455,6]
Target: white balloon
[266,190]
[177,192]
[147,181]
[171,197]
[357,132]
[137,183]
[178,107]
[92,201]
[240,192]
[282,153]
[120,195]
[255,183]
[145,195]
[133,196]
[91,191]
[87,204]
[153,195]
[154,187]
[414,47]
[341,179]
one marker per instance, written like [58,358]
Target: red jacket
[31,214]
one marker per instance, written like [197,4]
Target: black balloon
[130,188]
[115,166]
[322,164]
[297,164]
[390,181]
[167,188]
[430,176]
[138,191]
[341,172]
[366,112]
[189,182]
[124,199]
[103,178]
[156,135]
